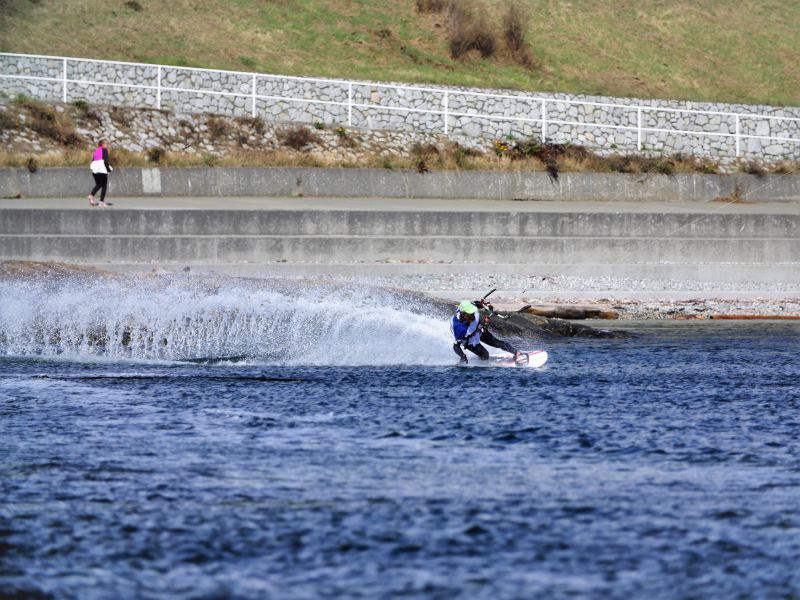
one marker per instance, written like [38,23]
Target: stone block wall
[607,125]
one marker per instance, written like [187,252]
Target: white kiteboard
[533,359]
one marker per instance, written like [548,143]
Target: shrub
[473,37]
[217,127]
[431,6]
[46,121]
[466,32]
[319,125]
[32,165]
[7,121]
[752,167]
[298,137]
[514,34]
[134,5]
[81,105]
[121,117]
[156,155]
[255,123]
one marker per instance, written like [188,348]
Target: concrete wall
[365,183]
[735,247]
[652,126]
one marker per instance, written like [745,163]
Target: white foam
[178,317]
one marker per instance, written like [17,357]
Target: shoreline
[560,296]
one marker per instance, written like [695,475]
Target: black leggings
[488,339]
[100,183]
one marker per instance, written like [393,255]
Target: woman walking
[100,170]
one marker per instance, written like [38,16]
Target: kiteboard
[532,359]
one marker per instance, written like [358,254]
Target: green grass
[715,50]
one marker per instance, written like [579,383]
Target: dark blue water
[665,466]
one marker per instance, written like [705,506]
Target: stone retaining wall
[466,114]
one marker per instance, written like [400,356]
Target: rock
[569,311]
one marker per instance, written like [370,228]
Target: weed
[319,125]
[341,132]
[134,5]
[248,62]
[81,105]
[466,32]
[737,195]
[422,167]
[298,137]
[752,167]
[500,147]
[7,121]
[217,127]
[32,165]
[785,167]
[46,121]
[255,123]
[22,99]
[209,160]
[431,6]
[156,155]
[386,162]
[514,34]
[473,37]
[121,117]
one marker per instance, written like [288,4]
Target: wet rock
[525,325]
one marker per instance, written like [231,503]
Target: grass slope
[717,50]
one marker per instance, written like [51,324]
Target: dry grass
[48,122]
[298,137]
[515,26]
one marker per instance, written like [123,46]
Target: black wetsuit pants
[488,339]
[100,183]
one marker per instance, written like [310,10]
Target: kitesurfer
[470,328]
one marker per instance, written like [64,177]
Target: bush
[473,37]
[46,121]
[466,32]
[514,35]
[7,121]
[255,123]
[298,137]
[121,117]
[217,127]
[156,155]
[431,6]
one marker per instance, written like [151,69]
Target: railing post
[445,112]
[544,120]
[64,95]
[349,103]
[158,88]
[253,113]
[737,136]
[639,128]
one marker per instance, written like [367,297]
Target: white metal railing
[445,112]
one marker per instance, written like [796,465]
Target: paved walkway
[398,204]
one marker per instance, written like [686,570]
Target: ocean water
[196,438]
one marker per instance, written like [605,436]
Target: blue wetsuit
[471,334]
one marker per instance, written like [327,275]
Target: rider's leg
[488,338]
[482,352]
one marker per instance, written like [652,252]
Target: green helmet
[467,307]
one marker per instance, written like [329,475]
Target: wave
[190,317]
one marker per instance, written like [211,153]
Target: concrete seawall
[385,183]
[715,242]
